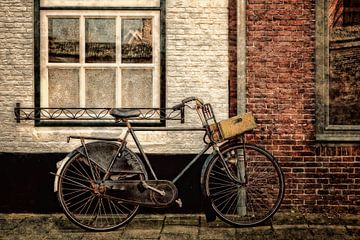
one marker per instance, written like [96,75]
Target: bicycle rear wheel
[258,196]
[84,197]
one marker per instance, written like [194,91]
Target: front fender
[209,212]
[203,170]
[223,147]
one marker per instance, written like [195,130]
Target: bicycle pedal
[141,187]
[179,202]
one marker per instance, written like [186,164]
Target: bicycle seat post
[128,124]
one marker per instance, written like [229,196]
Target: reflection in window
[351,12]
[344,62]
[100,40]
[136,38]
[63,40]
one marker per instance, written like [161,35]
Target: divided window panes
[98,59]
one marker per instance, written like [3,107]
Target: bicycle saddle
[124,113]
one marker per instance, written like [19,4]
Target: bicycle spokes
[258,193]
[87,201]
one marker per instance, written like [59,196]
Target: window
[338,68]
[103,56]
[351,13]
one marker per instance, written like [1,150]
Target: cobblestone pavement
[183,226]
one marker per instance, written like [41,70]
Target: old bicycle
[102,184]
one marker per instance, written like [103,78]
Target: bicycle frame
[131,131]
[206,118]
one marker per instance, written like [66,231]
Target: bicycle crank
[150,193]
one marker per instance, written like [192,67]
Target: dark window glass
[344,62]
[136,38]
[63,40]
[100,40]
[351,12]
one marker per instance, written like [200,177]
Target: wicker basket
[232,127]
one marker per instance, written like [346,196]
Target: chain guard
[133,192]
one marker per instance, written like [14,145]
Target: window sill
[337,137]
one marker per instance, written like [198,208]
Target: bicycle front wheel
[85,199]
[258,196]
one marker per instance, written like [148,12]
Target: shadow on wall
[27,184]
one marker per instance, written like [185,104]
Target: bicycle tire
[258,198]
[86,203]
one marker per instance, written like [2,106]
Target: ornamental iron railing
[93,114]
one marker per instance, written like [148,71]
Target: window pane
[100,40]
[63,88]
[344,63]
[344,86]
[136,38]
[100,88]
[63,37]
[136,88]
[352,12]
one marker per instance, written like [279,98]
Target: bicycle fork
[241,179]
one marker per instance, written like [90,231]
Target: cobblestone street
[183,226]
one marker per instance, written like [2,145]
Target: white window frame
[97,3]
[82,65]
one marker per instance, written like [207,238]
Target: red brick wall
[281,93]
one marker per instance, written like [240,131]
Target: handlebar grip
[183,102]
[177,106]
[189,99]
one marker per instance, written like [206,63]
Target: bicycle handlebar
[184,101]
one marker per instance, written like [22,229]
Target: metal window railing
[91,114]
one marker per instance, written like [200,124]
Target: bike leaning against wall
[102,184]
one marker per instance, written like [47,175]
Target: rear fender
[60,165]
[98,144]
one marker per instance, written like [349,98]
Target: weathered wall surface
[16,70]
[197,65]
[320,176]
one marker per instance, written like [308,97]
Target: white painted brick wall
[197,65]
